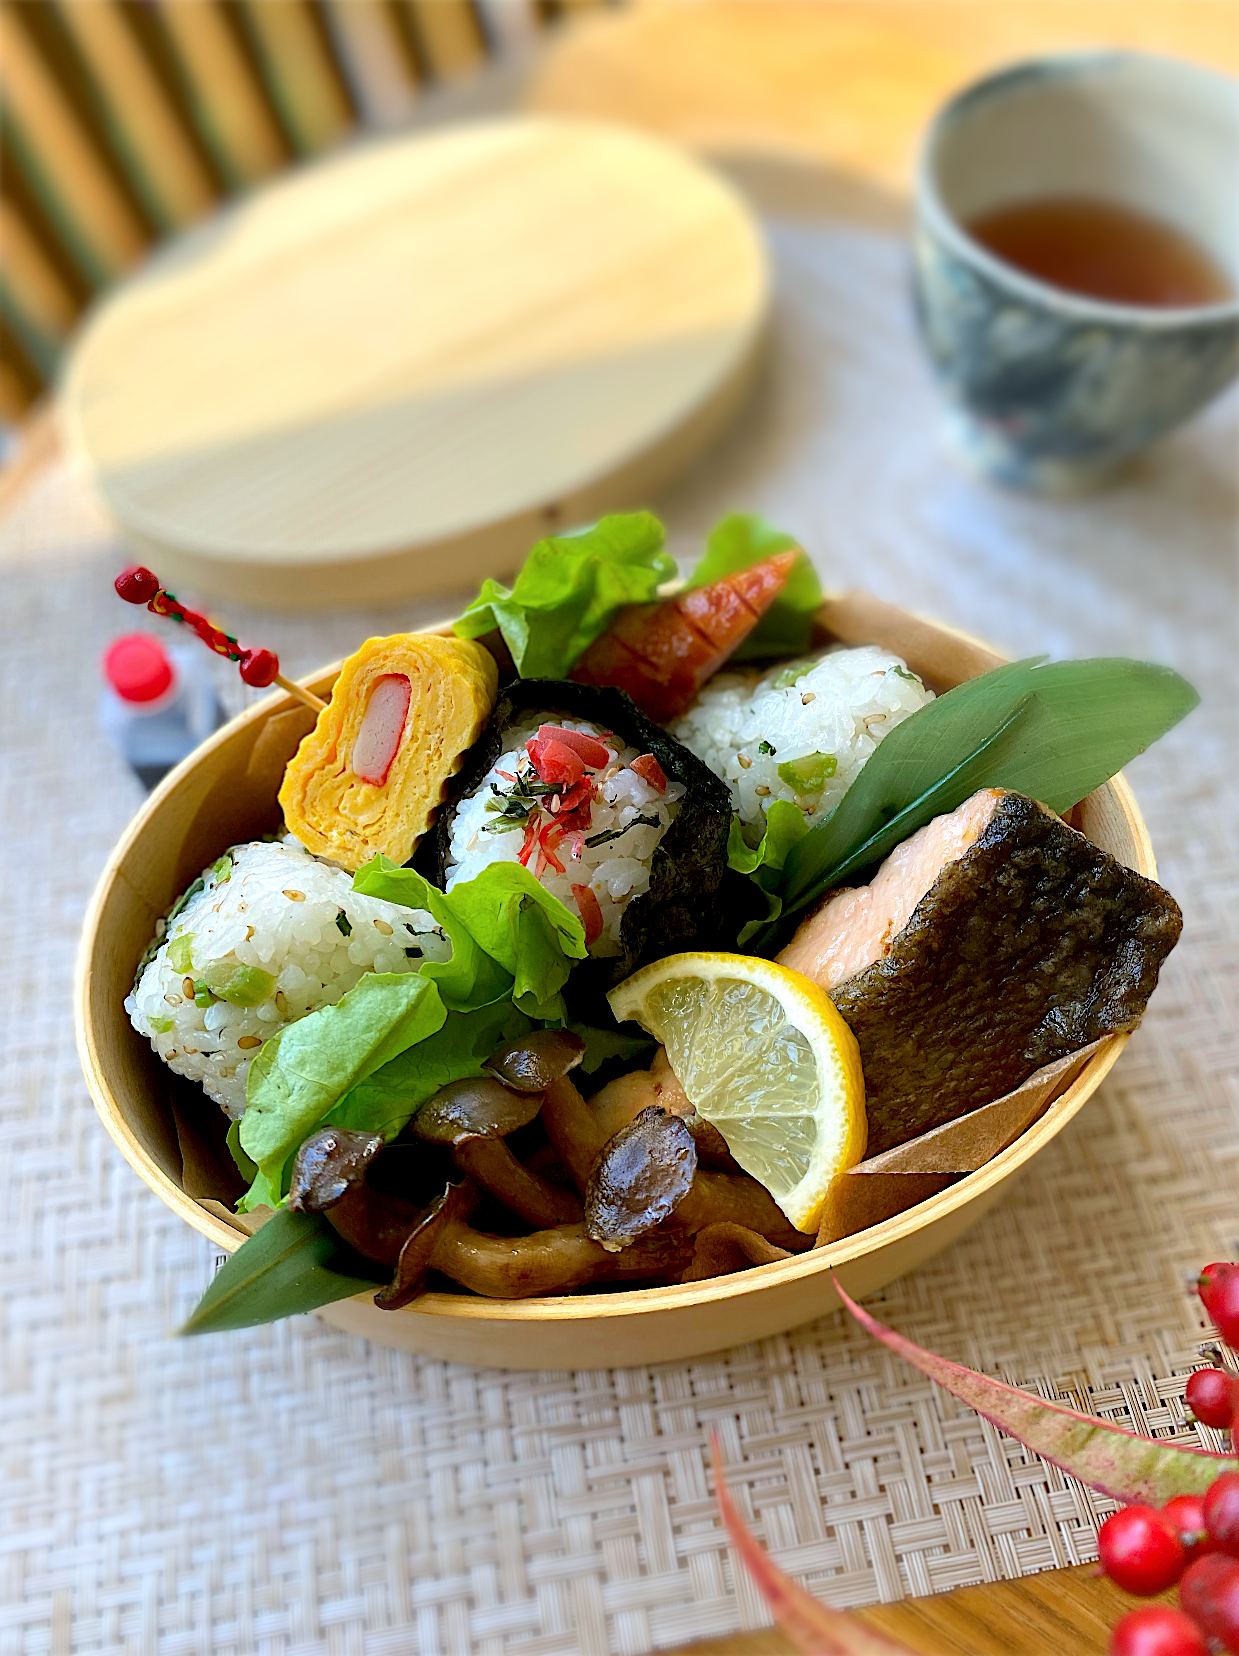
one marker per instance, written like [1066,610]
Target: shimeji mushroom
[722,1248]
[329,1177]
[581,1130]
[533,1062]
[518,1267]
[640,1178]
[472,1118]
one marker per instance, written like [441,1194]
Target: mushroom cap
[479,1107]
[533,1062]
[328,1164]
[643,1173]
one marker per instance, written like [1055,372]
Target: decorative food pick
[258,668]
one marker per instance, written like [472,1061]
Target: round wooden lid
[393,371]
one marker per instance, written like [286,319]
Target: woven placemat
[291,1491]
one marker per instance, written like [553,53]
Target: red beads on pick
[1186,1516]
[136,585]
[1219,1294]
[259,667]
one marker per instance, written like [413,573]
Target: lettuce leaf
[386,1100]
[395,1038]
[740,541]
[511,935]
[532,935]
[605,1046]
[308,1066]
[472,977]
[763,863]
[569,591]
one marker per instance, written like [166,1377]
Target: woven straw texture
[294,1492]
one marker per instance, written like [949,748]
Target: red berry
[1207,1281]
[1221,1510]
[136,585]
[1156,1630]
[1186,1516]
[1140,1552]
[1213,1397]
[259,667]
[1223,1306]
[1210,1595]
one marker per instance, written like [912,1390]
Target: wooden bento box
[167,1129]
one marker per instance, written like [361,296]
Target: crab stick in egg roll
[371,774]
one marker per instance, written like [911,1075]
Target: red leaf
[1119,1463]
[813,1627]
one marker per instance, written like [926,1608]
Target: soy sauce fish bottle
[157,705]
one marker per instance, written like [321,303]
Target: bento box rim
[631,1302]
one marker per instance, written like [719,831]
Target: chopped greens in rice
[263,936]
[800,732]
[595,855]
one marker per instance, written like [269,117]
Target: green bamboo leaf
[1117,1462]
[296,1262]
[1091,718]
[1028,723]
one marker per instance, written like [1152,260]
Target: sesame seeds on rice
[801,731]
[271,934]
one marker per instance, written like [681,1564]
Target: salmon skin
[662,654]
[1004,940]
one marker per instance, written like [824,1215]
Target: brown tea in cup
[1104,250]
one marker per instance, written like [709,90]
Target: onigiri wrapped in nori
[611,814]
[265,935]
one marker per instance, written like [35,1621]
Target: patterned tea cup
[1048,389]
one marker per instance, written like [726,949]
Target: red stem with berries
[1148,1546]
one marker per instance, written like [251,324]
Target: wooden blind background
[121,121]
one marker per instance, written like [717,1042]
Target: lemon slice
[764,1055]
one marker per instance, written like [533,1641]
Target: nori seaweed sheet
[681,908]
[1032,944]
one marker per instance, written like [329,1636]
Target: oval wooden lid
[394,370]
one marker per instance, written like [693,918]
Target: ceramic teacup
[1048,389]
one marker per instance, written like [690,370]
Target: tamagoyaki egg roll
[371,774]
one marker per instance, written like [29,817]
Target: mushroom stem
[516,1267]
[490,1163]
[575,1133]
[373,1222]
[738,1199]
[720,1249]
[550,1261]
[579,1131]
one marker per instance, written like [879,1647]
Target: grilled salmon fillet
[992,941]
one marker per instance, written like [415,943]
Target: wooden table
[847,86]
